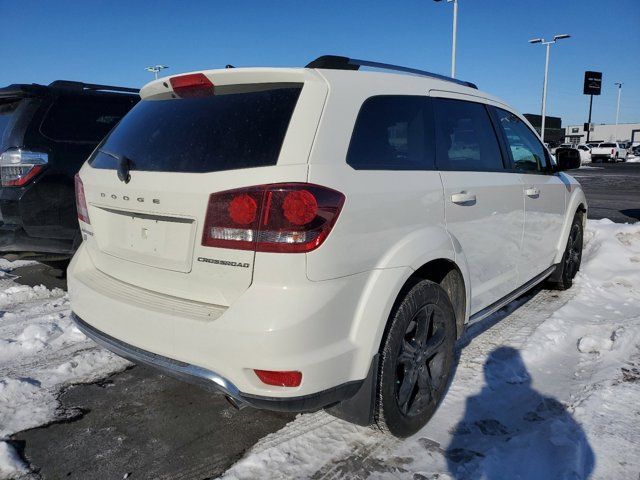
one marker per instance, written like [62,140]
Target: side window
[465,138]
[84,118]
[393,132]
[527,152]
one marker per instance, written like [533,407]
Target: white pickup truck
[609,152]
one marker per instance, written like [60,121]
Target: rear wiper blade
[124,165]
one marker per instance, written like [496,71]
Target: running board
[494,307]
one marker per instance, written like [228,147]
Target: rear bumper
[13,238]
[39,217]
[305,327]
[214,382]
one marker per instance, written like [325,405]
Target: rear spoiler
[21,90]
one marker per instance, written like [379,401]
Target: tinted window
[203,134]
[86,118]
[465,137]
[6,112]
[608,145]
[393,133]
[527,152]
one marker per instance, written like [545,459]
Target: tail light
[613,151]
[282,217]
[192,85]
[18,167]
[280,379]
[81,201]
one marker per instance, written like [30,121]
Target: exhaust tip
[234,403]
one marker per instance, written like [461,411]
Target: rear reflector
[280,379]
[281,217]
[192,85]
[19,167]
[81,201]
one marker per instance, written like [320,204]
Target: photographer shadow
[510,430]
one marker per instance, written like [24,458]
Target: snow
[547,388]
[41,352]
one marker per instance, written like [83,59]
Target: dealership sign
[592,83]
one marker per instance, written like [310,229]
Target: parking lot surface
[144,425]
[613,190]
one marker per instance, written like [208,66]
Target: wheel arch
[577,203]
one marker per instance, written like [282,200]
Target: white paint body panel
[323,312]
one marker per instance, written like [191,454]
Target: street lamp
[455,35]
[546,74]
[619,85]
[155,69]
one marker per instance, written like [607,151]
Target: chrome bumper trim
[175,368]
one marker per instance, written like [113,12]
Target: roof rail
[91,86]
[336,62]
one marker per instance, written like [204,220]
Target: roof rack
[90,86]
[336,62]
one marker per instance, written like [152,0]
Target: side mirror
[567,159]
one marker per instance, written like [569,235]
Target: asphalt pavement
[144,425]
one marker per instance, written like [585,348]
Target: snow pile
[41,351]
[549,391]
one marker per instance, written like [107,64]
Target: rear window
[241,129]
[608,145]
[86,118]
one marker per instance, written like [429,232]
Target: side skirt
[494,307]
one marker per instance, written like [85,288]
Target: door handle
[532,192]
[463,198]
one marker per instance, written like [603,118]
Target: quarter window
[527,152]
[393,132]
[465,139]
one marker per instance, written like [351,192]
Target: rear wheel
[567,269]
[416,359]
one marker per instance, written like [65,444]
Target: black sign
[592,83]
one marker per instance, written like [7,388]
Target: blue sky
[112,41]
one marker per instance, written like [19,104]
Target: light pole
[615,132]
[155,69]
[455,35]
[546,75]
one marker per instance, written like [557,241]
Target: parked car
[46,134]
[585,153]
[317,237]
[609,152]
[563,145]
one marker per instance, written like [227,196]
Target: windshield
[242,129]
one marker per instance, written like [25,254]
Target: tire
[562,278]
[416,359]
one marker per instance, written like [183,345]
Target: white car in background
[298,238]
[609,152]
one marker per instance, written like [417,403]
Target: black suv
[46,134]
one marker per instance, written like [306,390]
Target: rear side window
[393,132]
[86,118]
[226,131]
[465,138]
[527,152]
[608,145]
[7,108]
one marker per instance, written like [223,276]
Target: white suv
[317,237]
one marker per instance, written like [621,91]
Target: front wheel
[416,359]
[567,269]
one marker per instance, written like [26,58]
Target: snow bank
[41,351]
[549,391]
